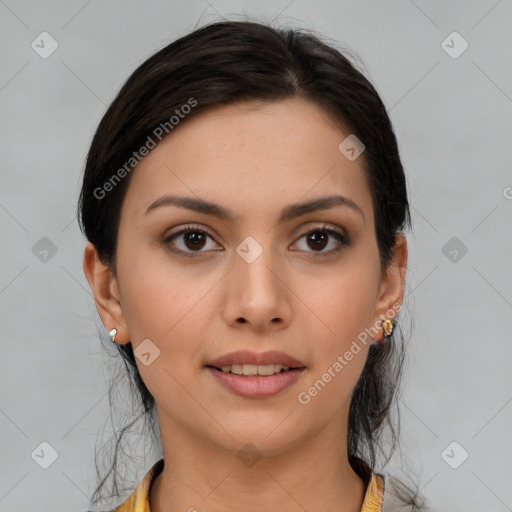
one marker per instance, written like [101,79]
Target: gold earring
[387,325]
[112,334]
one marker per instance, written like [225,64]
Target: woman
[243,199]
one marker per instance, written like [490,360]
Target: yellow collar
[139,499]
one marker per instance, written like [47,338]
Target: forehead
[251,157]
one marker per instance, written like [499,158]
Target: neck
[313,475]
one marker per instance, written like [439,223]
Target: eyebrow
[290,212]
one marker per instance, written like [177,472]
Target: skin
[253,158]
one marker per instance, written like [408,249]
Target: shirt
[375,498]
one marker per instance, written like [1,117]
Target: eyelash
[342,240]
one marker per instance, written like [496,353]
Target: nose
[258,294]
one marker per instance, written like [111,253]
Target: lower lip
[257,386]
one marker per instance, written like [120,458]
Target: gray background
[453,120]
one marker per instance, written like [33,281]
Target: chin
[270,438]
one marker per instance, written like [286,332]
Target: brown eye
[189,241]
[319,238]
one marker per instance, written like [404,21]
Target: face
[266,276]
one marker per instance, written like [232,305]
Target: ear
[391,290]
[105,290]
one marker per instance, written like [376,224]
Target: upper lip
[263,358]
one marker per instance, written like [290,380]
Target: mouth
[256,375]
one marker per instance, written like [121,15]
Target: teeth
[266,369]
[253,369]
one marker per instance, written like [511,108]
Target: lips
[241,357]
[256,375]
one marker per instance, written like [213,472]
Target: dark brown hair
[224,63]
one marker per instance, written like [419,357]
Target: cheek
[341,306]
[159,296]
[167,309]
[339,310]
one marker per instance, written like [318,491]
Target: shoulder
[138,501]
[374,492]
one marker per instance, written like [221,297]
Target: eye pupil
[194,237]
[317,237]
